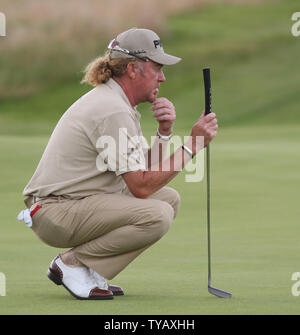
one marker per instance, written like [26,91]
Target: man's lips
[155,91]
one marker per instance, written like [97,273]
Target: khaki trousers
[106,231]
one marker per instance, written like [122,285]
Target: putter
[207,87]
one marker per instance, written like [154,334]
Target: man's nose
[161,77]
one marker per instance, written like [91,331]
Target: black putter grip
[207,89]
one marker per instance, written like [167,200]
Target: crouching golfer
[98,189]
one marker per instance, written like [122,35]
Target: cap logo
[157,43]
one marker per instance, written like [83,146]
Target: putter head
[219,293]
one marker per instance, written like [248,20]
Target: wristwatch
[163,137]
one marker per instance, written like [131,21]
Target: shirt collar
[111,83]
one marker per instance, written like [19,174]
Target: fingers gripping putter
[207,87]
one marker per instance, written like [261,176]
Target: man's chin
[150,98]
[153,97]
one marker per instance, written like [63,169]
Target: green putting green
[254,237]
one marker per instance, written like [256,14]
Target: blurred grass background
[254,61]
[247,44]
[59,37]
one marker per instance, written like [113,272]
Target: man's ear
[131,70]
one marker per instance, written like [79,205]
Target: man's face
[148,80]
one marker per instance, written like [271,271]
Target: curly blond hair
[101,69]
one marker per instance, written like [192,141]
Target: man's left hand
[164,112]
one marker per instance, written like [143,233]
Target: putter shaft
[208,211]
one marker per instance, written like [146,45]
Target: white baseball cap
[140,43]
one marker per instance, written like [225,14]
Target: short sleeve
[120,145]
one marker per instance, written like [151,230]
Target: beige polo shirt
[96,140]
